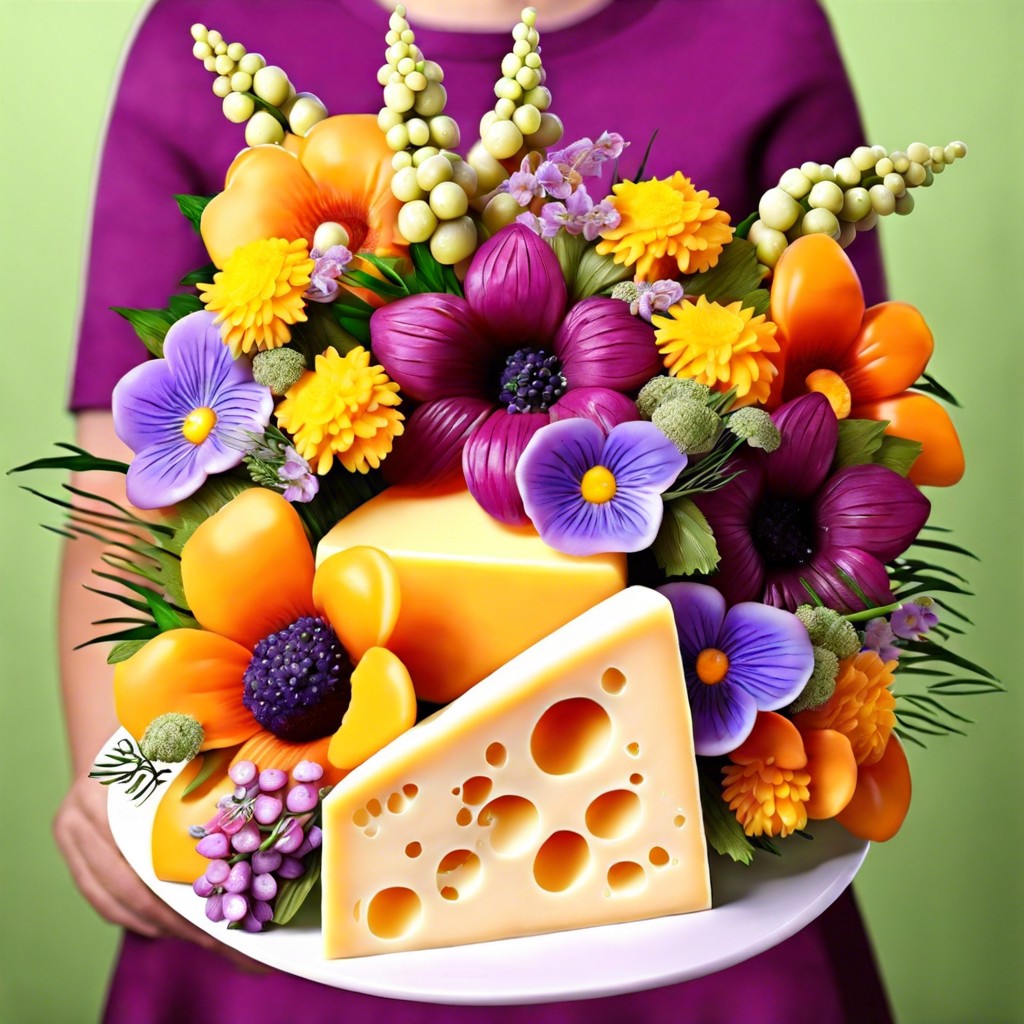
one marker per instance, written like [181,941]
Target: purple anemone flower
[493,368]
[738,662]
[588,494]
[786,519]
[182,415]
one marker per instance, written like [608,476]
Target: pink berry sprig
[262,836]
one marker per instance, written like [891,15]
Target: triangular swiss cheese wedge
[559,792]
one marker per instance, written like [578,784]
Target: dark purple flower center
[532,381]
[783,531]
[297,685]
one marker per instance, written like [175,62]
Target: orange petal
[920,418]
[816,302]
[890,352]
[174,850]
[882,798]
[248,569]
[265,750]
[383,706]
[357,591]
[267,194]
[773,740]
[833,771]
[189,671]
[833,387]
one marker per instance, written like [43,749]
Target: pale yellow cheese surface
[560,792]
[474,593]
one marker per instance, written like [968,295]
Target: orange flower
[862,360]
[341,171]
[248,573]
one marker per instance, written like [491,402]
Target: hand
[107,881]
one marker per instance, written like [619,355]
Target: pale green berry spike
[822,683]
[278,368]
[172,738]
[755,427]
[827,628]
[690,425]
[665,389]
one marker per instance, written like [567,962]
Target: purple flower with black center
[303,484]
[738,662]
[182,414]
[787,519]
[588,493]
[494,367]
[912,621]
[328,267]
[879,637]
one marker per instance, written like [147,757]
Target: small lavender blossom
[533,222]
[879,637]
[585,156]
[553,179]
[571,215]
[302,483]
[329,266]
[912,621]
[658,297]
[523,186]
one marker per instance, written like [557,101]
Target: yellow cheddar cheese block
[474,592]
[560,792]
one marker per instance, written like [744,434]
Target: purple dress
[738,91]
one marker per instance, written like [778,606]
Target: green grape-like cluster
[253,93]
[434,183]
[846,197]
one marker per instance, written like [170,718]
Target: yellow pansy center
[598,485]
[712,665]
[198,424]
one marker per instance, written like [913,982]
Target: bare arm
[81,828]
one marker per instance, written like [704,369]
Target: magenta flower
[183,415]
[587,493]
[493,368]
[750,658]
[787,518]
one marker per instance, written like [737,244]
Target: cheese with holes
[475,593]
[560,792]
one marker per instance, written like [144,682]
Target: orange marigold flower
[721,346]
[667,227]
[343,409]
[861,707]
[259,293]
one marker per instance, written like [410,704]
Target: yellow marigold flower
[861,707]
[342,408]
[667,227]
[259,293]
[721,346]
[768,800]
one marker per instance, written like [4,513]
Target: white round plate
[755,908]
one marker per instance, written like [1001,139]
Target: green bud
[755,427]
[627,291]
[822,683]
[172,738]
[664,389]
[596,273]
[691,425]
[278,368]
[827,628]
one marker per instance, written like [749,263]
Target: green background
[944,899]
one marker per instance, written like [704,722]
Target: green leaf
[212,761]
[180,306]
[352,314]
[744,225]
[685,543]
[595,274]
[859,440]
[292,892]
[321,332]
[736,274]
[898,454]
[388,266]
[930,386]
[124,650]
[138,633]
[757,300]
[201,275]
[934,652]
[385,289]
[79,463]
[721,829]
[192,207]
[432,276]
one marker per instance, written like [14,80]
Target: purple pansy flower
[787,518]
[738,662]
[587,493]
[879,637]
[493,368]
[912,621]
[182,414]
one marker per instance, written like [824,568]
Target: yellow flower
[721,346]
[259,293]
[667,228]
[344,409]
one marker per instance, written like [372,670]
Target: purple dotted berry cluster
[261,835]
